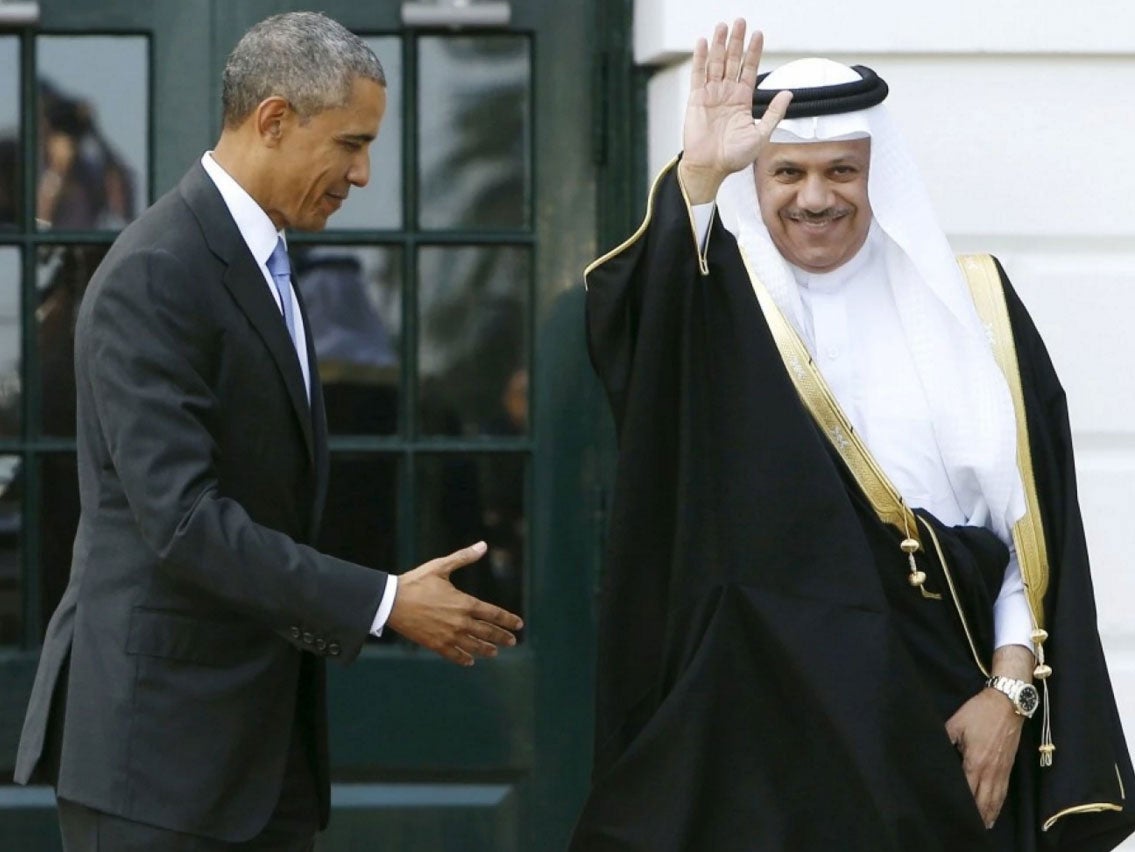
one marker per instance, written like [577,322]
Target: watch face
[1029,699]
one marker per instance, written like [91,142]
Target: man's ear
[271,118]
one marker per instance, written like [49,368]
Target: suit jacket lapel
[245,281]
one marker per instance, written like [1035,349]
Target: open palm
[719,134]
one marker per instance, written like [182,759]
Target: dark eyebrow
[358,138]
[781,162]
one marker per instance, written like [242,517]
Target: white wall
[1022,117]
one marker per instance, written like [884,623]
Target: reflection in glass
[473,340]
[93,157]
[10,343]
[378,205]
[360,518]
[62,275]
[11,494]
[353,298]
[58,520]
[9,130]
[462,499]
[475,133]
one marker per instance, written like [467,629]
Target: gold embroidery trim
[1028,533]
[703,265]
[1093,808]
[821,404]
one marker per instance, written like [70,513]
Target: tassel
[1043,672]
[910,546]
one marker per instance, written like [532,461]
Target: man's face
[320,159]
[813,199]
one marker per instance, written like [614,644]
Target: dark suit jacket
[195,595]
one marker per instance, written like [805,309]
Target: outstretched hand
[431,611]
[719,136]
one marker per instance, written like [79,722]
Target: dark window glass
[475,131]
[462,499]
[10,340]
[473,340]
[93,111]
[58,520]
[9,131]
[360,518]
[353,297]
[62,274]
[11,526]
[379,204]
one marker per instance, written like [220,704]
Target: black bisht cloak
[765,678]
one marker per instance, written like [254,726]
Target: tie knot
[278,263]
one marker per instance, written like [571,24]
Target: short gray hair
[304,57]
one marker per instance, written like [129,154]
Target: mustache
[799,214]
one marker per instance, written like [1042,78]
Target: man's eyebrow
[783,160]
[360,138]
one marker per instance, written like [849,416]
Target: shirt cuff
[386,606]
[1012,621]
[703,218]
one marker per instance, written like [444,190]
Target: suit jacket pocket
[180,636]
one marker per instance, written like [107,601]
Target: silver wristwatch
[1024,696]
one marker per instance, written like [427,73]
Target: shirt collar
[253,223]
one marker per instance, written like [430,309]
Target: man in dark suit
[179,702]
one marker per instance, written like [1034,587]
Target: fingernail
[480,547]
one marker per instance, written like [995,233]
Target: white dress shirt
[865,360]
[260,235]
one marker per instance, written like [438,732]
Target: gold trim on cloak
[1091,808]
[821,404]
[703,266]
[1028,533]
[988,296]
[984,282]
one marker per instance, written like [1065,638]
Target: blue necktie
[281,270]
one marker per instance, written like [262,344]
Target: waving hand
[719,136]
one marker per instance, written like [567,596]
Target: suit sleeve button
[295,632]
[308,638]
[333,649]
[320,644]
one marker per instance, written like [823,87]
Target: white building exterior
[1022,118]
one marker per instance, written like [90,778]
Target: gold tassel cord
[1043,672]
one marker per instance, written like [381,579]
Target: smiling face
[813,199]
[317,160]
